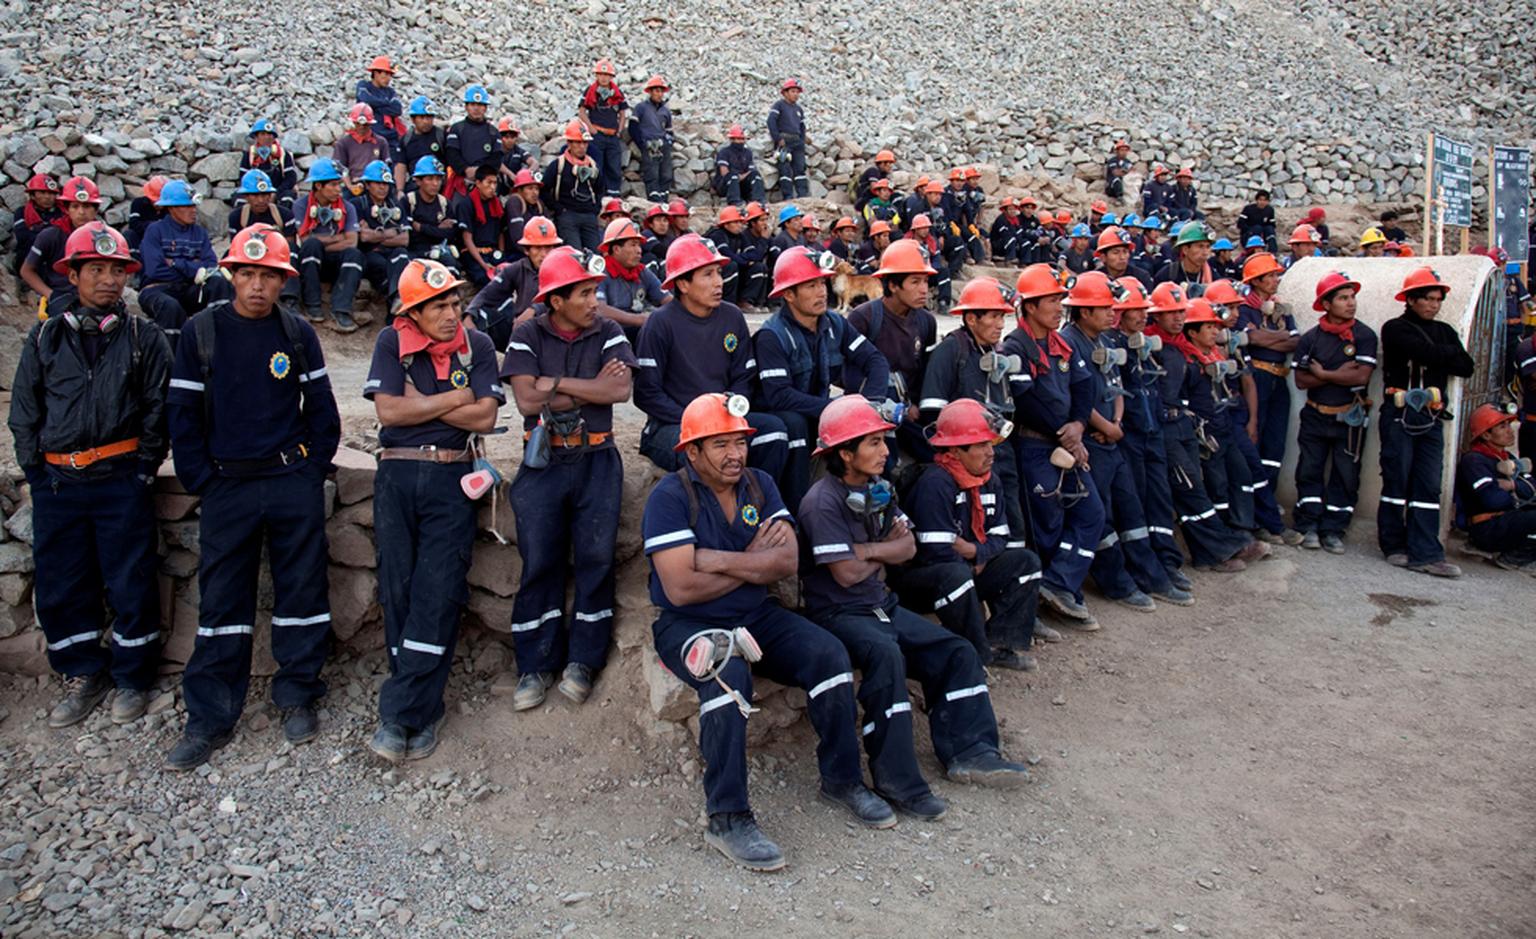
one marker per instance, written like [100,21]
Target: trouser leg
[949,591]
[311,258]
[1010,586]
[1392,513]
[960,717]
[1005,466]
[797,167]
[67,592]
[730,289]
[1210,541]
[769,447]
[1064,536]
[656,443]
[1312,446]
[218,674]
[1126,519]
[1274,401]
[294,508]
[348,265]
[541,503]
[1266,511]
[1147,457]
[1424,484]
[797,458]
[1512,533]
[1342,490]
[874,649]
[1240,513]
[126,541]
[1108,564]
[799,653]
[161,305]
[722,726]
[597,503]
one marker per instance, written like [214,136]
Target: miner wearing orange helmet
[1272,337]
[744,284]
[650,128]
[572,191]
[878,169]
[1007,233]
[88,422]
[1496,491]
[628,290]
[603,110]
[900,326]
[866,257]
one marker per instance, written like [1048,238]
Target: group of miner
[929,494]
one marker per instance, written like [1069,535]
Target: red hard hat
[790,83]
[153,186]
[508,126]
[1185,173]
[961,423]
[850,417]
[1121,143]
[42,182]
[1036,281]
[920,220]
[1099,206]
[524,178]
[620,229]
[731,214]
[1330,282]
[737,132]
[982,295]
[1044,218]
[422,280]
[655,211]
[259,246]
[1112,237]
[563,268]
[1424,278]
[810,224]
[1091,289]
[360,114]
[539,231]
[713,414]
[1316,214]
[576,131]
[1135,297]
[1200,311]
[794,267]
[1487,417]
[1063,217]
[381,63]
[1305,234]
[1222,292]
[604,67]
[688,254]
[879,227]
[677,208]
[885,156]
[1006,202]
[843,222]
[972,172]
[755,210]
[95,241]
[903,257]
[80,190]
[611,206]
[1159,169]
[1168,298]
[1259,265]
[656,81]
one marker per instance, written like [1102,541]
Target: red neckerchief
[615,99]
[972,486]
[1489,450]
[413,340]
[34,218]
[311,219]
[1054,346]
[1193,353]
[481,206]
[570,336]
[615,269]
[363,136]
[1345,332]
[1152,329]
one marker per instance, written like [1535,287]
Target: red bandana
[312,217]
[972,486]
[615,269]
[482,206]
[1488,449]
[1345,331]
[413,340]
[1192,352]
[1055,347]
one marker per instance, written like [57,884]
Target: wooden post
[1466,235]
[1429,184]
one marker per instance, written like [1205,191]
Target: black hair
[1262,194]
[888,284]
[564,293]
[836,465]
[485,171]
[1389,215]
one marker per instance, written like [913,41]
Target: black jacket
[60,403]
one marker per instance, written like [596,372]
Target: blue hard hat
[1222,244]
[377,172]
[789,212]
[1512,268]
[476,94]
[1152,222]
[428,166]
[262,126]
[1109,218]
[1079,231]
[421,106]
[323,171]
[253,182]
[175,193]
[1176,227]
[1131,220]
[1254,241]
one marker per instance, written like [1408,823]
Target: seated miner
[1496,493]
[717,534]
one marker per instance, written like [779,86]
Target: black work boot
[989,769]
[300,724]
[423,742]
[192,751]
[81,695]
[736,835]
[871,810]
[389,742]
[926,807]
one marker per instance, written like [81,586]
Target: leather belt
[1273,368]
[1483,517]
[595,439]
[80,459]
[1033,434]
[252,467]
[427,454]
[1336,409]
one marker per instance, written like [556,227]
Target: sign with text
[1453,180]
[1511,201]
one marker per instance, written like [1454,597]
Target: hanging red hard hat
[621,229]
[1222,292]
[565,267]
[1037,281]
[848,418]
[903,257]
[422,280]
[1487,417]
[1259,265]
[1424,278]
[1112,237]
[612,207]
[259,246]
[1134,298]
[42,182]
[1329,283]
[982,295]
[539,231]
[1168,297]
[81,191]
[713,414]
[1200,311]
[95,241]
[961,423]
[1090,289]
[687,254]
[796,266]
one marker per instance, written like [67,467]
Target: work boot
[314,314]
[1333,544]
[871,810]
[736,835]
[1065,604]
[81,695]
[300,724]
[128,705]
[1044,633]
[343,322]
[1397,559]
[1290,537]
[1013,659]
[1229,566]
[925,808]
[423,742]
[530,690]
[1310,541]
[1137,600]
[989,769]
[1175,596]
[1180,579]
[576,682]
[1269,537]
[389,742]
[362,317]
[192,751]
[1437,569]
[1254,551]
[1512,562]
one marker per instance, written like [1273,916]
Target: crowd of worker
[1132,385]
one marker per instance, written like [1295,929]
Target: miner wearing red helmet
[1496,491]
[523,204]
[786,132]
[736,178]
[694,344]
[628,290]
[254,428]
[1115,168]
[88,422]
[40,211]
[81,203]
[359,146]
[656,229]
[567,366]
[857,536]
[604,109]
[650,128]
[803,350]
[434,388]
[845,238]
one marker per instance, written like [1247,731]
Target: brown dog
[850,287]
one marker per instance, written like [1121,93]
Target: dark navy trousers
[1009,585]
[1412,469]
[1147,462]
[1125,560]
[1066,537]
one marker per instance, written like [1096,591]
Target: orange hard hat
[1184,173]
[1304,234]
[656,81]
[810,223]
[1027,200]
[81,191]
[1159,169]
[736,132]
[1091,289]
[1329,283]
[422,280]
[713,414]
[540,231]
[921,182]
[152,187]
[1222,292]
[731,214]
[1487,417]
[1405,250]
[1259,265]
[881,183]
[1135,296]
[843,222]
[1168,298]
[796,266]
[259,246]
[1424,278]
[934,185]
[1006,202]
[1037,281]
[508,126]
[920,220]
[604,67]
[885,156]
[1063,217]
[1045,218]
[620,229]
[576,131]
[879,227]
[1112,237]
[956,175]
[982,295]
[1200,311]
[755,210]
[687,254]
[1099,206]
[95,241]
[972,172]
[963,422]
[903,257]
[848,418]
[567,267]
[381,63]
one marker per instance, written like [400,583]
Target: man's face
[1096,318]
[1502,435]
[1375,250]
[476,112]
[912,291]
[808,299]
[848,235]
[1196,254]
[659,224]
[986,326]
[933,196]
[1044,314]
[577,310]
[537,253]
[423,123]
[265,139]
[256,288]
[1170,321]
[429,186]
[1341,303]
[719,460]
[1116,260]
[509,140]
[439,316]
[529,194]
[976,458]
[378,192]
[705,288]
[869,456]
[735,228]
[1426,303]
[793,95]
[260,202]
[656,94]
[1268,284]
[380,78]
[627,252]
[79,213]
[44,200]
[1261,201]
[182,214]
[1133,321]
[886,166]
[1205,334]
[327,192]
[577,149]
[99,283]
[486,187]
[881,241]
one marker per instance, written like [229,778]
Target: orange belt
[80,459]
[575,440]
[1273,368]
[1335,409]
[1484,516]
[1528,417]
